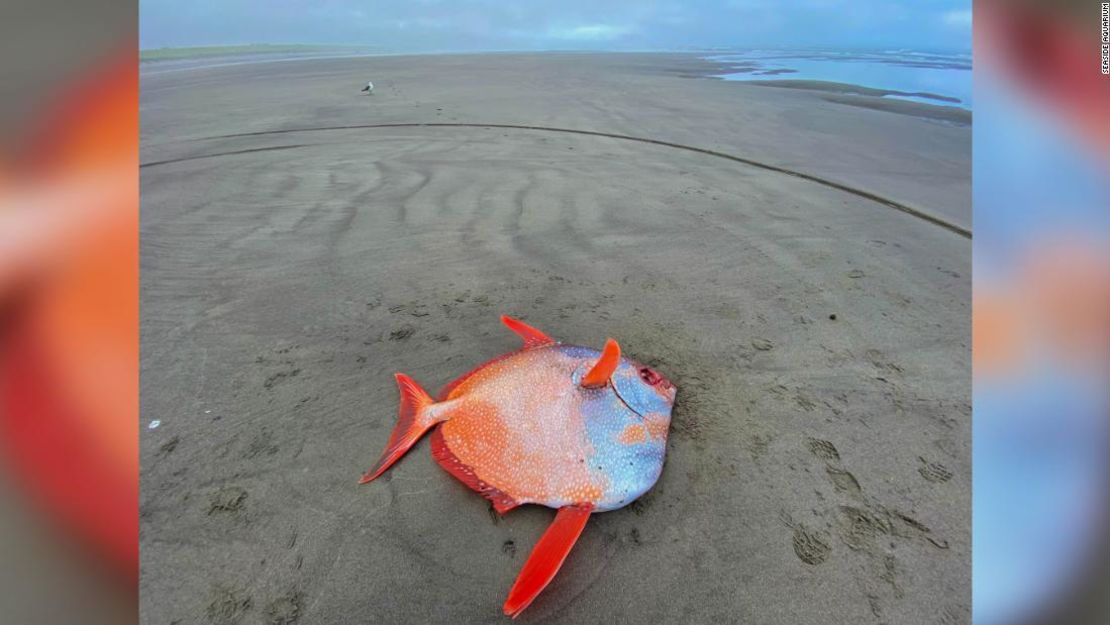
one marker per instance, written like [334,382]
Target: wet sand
[302,242]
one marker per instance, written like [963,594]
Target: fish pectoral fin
[547,556]
[603,369]
[413,420]
[531,336]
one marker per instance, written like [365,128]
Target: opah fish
[567,427]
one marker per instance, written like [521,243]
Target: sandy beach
[796,259]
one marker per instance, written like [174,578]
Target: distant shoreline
[856,95]
[169,60]
[155,55]
[924,77]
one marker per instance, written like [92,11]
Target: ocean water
[923,75]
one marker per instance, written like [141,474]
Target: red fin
[411,425]
[451,463]
[608,362]
[546,557]
[531,336]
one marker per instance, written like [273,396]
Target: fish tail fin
[547,557]
[413,421]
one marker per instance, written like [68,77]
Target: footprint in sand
[809,546]
[934,471]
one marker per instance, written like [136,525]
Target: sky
[487,25]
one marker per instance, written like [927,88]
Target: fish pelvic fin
[547,557]
[413,420]
[603,369]
[531,336]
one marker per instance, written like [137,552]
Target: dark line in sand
[947,225]
[170,161]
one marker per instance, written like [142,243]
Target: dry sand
[819,461]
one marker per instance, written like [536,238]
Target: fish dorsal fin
[531,336]
[603,369]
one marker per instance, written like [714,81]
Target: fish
[572,428]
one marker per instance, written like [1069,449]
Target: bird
[369,88]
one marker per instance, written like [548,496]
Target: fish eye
[650,377]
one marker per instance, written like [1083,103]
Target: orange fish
[562,426]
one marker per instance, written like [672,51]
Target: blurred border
[68,311]
[1041,436]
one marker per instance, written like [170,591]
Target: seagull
[369,88]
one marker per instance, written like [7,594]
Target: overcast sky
[473,25]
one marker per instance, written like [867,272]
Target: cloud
[960,18]
[590,32]
[476,25]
